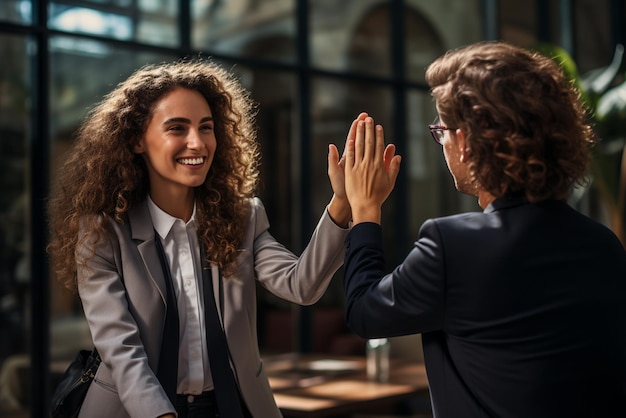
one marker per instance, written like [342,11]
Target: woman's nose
[194,140]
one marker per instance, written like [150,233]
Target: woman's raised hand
[339,208]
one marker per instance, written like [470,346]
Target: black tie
[167,372]
[226,391]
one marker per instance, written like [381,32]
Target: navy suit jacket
[521,309]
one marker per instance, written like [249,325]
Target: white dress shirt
[180,242]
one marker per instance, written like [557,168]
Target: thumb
[394,167]
[390,151]
[333,155]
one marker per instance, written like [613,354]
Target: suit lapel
[142,232]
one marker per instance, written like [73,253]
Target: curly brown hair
[527,130]
[102,178]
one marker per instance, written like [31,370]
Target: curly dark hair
[527,130]
[102,178]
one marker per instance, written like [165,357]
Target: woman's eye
[207,128]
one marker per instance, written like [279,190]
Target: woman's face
[179,143]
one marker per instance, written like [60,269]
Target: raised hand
[371,170]
[336,165]
[339,208]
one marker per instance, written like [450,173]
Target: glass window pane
[15,187]
[423,43]
[350,36]
[431,28]
[518,22]
[17,11]
[93,22]
[275,93]
[158,23]
[334,105]
[149,21]
[247,28]
[356,36]
[82,72]
[594,48]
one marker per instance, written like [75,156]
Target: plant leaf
[599,80]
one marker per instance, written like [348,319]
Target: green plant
[604,92]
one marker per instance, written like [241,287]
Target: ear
[461,142]
[138,148]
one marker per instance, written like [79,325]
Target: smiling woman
[123,125]
[157,225]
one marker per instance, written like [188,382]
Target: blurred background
[312,66]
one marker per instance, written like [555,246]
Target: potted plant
[604,92]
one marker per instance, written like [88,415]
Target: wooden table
[320,386]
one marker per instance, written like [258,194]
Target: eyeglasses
[437,131]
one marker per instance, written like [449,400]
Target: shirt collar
[505,202]
[163,221]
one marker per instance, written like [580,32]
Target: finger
[394,168]
[352,131]
[392,163]
[380,143]
[390,151]
[370,140]
[349,152]
[359,141]
[333,155]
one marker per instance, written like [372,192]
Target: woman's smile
[191,161]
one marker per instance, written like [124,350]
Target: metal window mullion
[304,313]
[184,25]
[491,21]
[39,176]
[544,20]
[566,25]
[617,20]
[399,112]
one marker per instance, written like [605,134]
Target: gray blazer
[122,289]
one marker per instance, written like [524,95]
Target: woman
[161,182]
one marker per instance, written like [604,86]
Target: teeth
[191,161]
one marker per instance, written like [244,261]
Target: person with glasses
[521,306]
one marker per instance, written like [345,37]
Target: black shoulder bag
[70,393]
